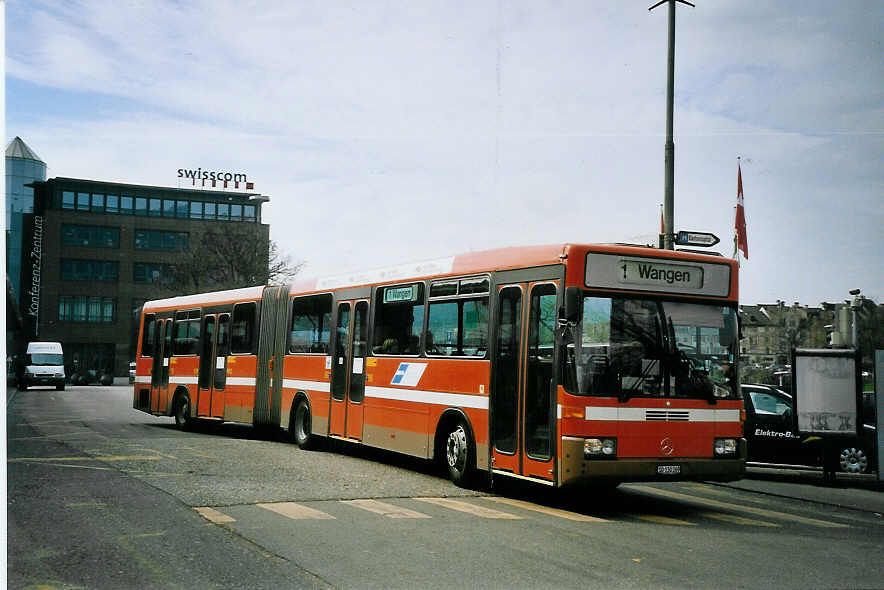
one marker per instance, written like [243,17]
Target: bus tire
[59,387]
[300,425]
[459,453]
[182,412]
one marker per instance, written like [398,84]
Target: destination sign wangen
[657,274]
[644,272]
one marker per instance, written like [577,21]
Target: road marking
[734,519]
[479,511]
[545,509]
[384,509]
[738,507]
[718,491]
[99,505]
[213,515]
[140,536]
[296,511]
[96,458]
[60,435]
[657,519]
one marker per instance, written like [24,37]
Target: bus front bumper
[574,468]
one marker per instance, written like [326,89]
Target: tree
[240,255]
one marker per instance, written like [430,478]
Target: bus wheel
[299,426]
[854,460]
[460,454]
[182,412]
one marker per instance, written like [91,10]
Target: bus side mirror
[572,304]
[730,331]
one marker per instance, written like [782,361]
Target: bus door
[159,373]
[215,344]
[348,370]
[523,423]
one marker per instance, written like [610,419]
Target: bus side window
[399,320]
[185,340]
[310,330]
[147,335]
[242,333]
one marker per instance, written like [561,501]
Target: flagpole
[736,255]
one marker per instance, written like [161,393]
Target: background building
[94,251]
[23,167]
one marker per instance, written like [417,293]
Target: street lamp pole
[854,305]
[669,149]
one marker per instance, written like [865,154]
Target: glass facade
[106,247]
[19,201]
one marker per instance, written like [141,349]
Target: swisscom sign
[214,177]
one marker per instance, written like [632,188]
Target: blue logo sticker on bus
[408,374]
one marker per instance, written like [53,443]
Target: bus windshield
[44,359]
[629,347]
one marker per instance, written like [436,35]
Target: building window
[112,204]
[236,212]
[126,205]
[151,272]
[196,210]
[223,211]
[248,212]
[68,200]
[140,206]
[209,211]
[90,235]
[155,208]
[168,208]
[85,309]
[150,239]
[82,201]
[181,209]
[89,270]
[97,202]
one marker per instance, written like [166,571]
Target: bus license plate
[668,469]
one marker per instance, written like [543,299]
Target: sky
[392,131]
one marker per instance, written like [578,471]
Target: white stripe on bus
[183,380]
[428,397]
[640,414]
[241,381]
[311,385]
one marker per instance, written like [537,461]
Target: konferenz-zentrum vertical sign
[35,258]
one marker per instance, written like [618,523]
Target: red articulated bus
[556,364]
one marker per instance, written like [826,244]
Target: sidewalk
[857,492]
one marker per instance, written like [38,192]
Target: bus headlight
[725,447]
[594,448]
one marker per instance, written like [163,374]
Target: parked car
[43,365]
[771,436]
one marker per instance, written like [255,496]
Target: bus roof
[468,263]
[215,297]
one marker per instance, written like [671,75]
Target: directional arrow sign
[696,238]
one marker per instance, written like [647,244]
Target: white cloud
[401,131]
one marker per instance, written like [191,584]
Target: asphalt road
[103,496]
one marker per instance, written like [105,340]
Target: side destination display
[613,271]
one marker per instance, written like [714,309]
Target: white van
[43,365]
